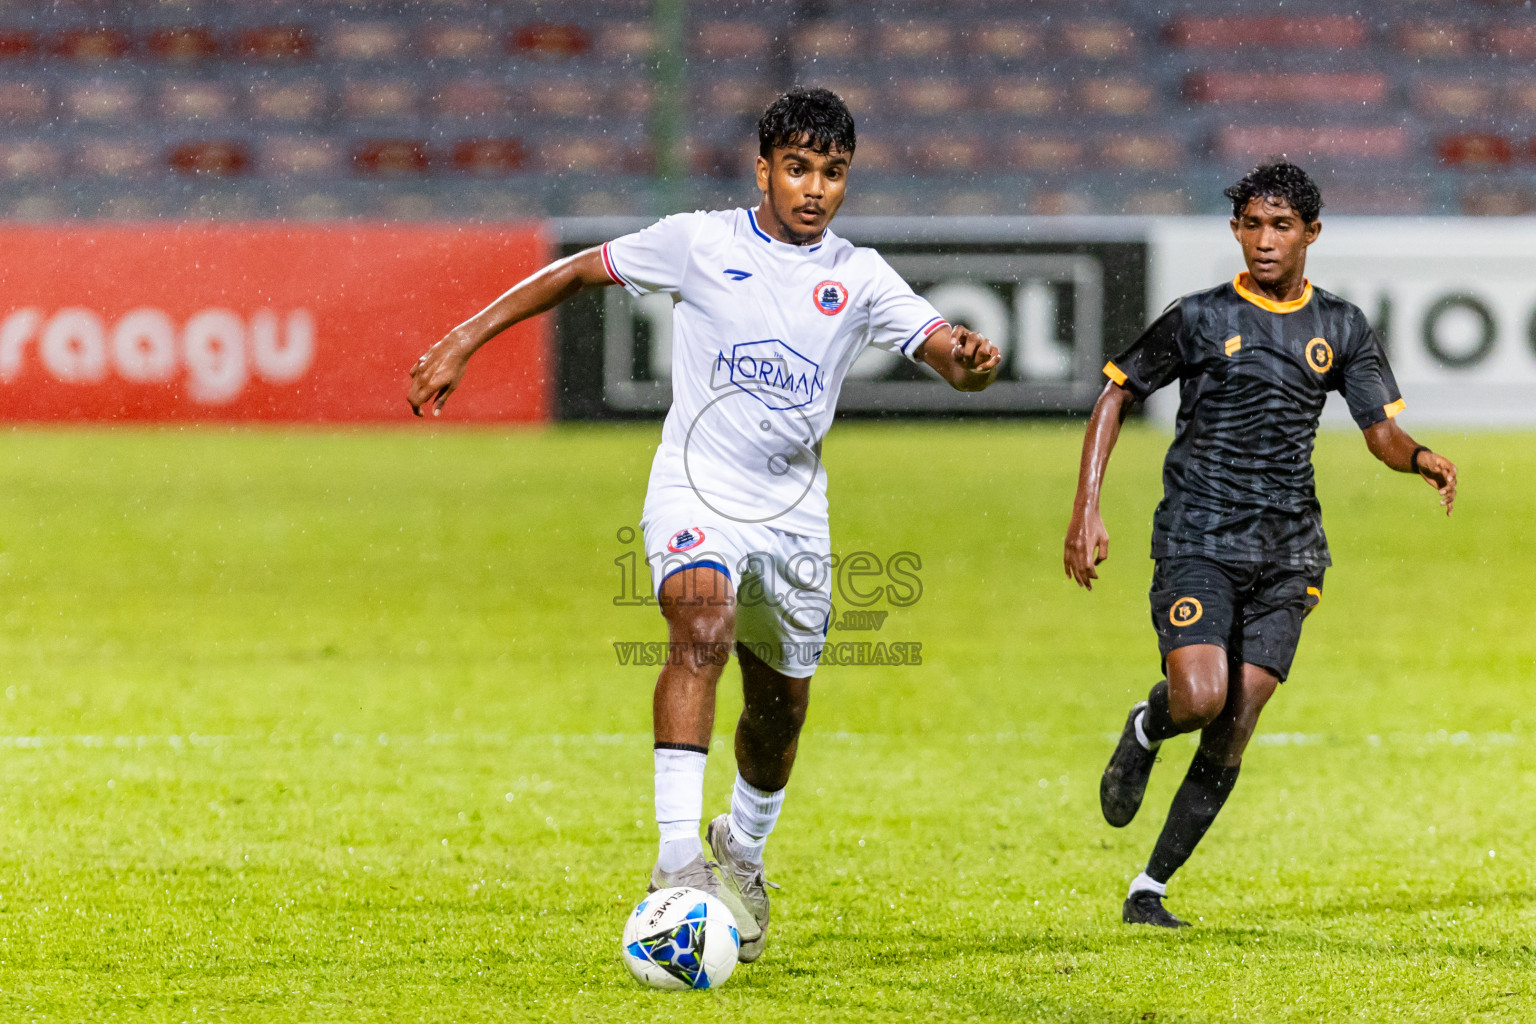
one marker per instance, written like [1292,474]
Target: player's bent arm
[1087,541]
[1391,444]
[967,360]
[437,373]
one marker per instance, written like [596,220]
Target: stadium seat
[1023,96]
[1429,40]
[1509,201]
[23,102]
[302,99]
[878,154]
[1244,144]
[949,152]
[828,39]
[1033,152]
[29,158]
[1118,97]
[728,96]
[101,100]
[366,41]
[185,45]
[564,97]
[935,95]
[116,157]
[1476,150]
[17,45]
[731,40]
[1452,97]
[213,158]
[1148,151]
[908,40]
[388,98]
[580,154]
[1008,40]
[458,42]
[1098,39]
[92,46]
[624,41]
[1512,41]
[1240,32]
[277,43]
[195,100]
[301,156]
[1520,98]
[1251,88]
[549,41]
[391,158]
[465,98]
[489,158]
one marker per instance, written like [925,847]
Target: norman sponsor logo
[773,373]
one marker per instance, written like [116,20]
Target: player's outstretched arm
[1391,444]
[1087,540]
[437,373]
[967,360]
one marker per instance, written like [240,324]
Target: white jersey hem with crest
[763,335]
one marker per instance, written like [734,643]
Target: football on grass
[681,938]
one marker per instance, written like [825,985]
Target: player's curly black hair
[817,119]
[1282,180]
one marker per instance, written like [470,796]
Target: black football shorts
[1253,610]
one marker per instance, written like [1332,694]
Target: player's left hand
[973,351]
[1440,473]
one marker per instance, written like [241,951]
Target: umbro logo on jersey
[686,540]
[737,275]
[831,297]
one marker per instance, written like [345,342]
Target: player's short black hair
[1279,179]
[817,119]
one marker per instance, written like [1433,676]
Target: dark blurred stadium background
[449,109]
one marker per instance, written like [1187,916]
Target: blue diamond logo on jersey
[831,297]
[774,373]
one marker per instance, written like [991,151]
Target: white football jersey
[763,333]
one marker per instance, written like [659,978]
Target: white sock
[1141,735]
[754,812]
[1145,882]
[679,806]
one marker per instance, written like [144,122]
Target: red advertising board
[274,322]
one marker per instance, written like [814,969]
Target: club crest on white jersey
[685,540]
[831,297]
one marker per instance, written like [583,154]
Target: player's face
[1274,240]
[802,190]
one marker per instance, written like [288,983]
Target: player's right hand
[437,373]
[1087,545]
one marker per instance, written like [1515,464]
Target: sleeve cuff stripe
[1115,374]
[612,270]
[923,331]
[1395,408]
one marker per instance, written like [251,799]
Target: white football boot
[744,890]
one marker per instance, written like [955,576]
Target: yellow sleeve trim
[1115,374]
[1314,592]
[1395,408]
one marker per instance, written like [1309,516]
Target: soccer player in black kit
[1238,538]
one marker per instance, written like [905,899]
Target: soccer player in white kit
[771,309]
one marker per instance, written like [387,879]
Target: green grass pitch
[309,726]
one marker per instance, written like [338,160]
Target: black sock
[1196,804]
[1158,723]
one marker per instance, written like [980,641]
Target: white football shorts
[783,581]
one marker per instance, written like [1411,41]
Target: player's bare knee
[1197,702]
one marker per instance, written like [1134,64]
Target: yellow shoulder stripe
[1115,374]
[1395,408]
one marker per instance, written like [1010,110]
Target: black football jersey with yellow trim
[1253,375]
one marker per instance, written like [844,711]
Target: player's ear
[762,173]
[1235,235]
[1313,230]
